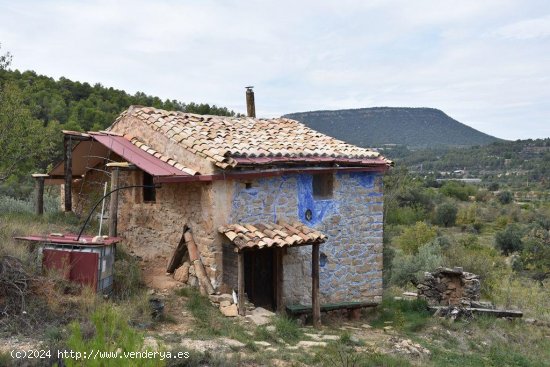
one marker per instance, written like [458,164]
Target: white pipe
[102,208]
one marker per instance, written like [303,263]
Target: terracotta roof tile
[225,140]
[279,234]
[160,156]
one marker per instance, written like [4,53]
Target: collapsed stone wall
[449,287]
[351,259]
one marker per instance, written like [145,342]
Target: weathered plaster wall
[352,218]
[153,230]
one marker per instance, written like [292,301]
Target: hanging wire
[103,198]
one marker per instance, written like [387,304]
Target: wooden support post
[316,306]
[279,280]
[39,192]
[113,204]
[240,287]
[68,158]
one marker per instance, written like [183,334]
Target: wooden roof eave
[238,249]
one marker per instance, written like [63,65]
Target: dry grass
[524,294]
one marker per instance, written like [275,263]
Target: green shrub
[509,240]
[484,261]
[535,255]
[411,267]
[458,190]
[405,215]
[483,195]
[502,221]
[445,214]
[11,205]
[415,236]
[128,280]
[107,331]
[410,316]
[505,197]
[288,329]
[467,214]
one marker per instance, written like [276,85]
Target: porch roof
[94,148]
[268,234]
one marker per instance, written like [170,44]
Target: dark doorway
[259,277]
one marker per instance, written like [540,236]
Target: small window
[323,186]
[149,193]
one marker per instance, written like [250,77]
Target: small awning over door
[262,235]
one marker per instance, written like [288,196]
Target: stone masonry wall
[153,230]
[351,259]
[450,287]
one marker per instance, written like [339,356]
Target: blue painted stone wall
[351,259]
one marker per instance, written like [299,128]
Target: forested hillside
[82,106]
[413,127]
[525,162]
[35,108]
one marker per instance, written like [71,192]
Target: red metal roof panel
[145,161]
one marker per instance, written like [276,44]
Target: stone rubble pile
[408,347]
[186,274]
[225,303]
[450,287]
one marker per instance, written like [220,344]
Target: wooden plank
[178,254]
[68,147]
[300,309]
[197,263]
[191,246]
[203,278]
[279,279]
[315,286]
[113,204]
[485,311]
[240,280]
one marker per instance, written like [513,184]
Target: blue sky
[485,63]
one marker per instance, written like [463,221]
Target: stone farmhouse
[270,203]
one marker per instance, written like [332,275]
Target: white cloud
[526,29]
[463,57]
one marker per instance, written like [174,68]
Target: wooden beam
[113,204]
[68,166]
[315,286]
[279,280]
[240,287]
[39,192]
[485,311]
[195,259]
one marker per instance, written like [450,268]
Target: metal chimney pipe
[250,105]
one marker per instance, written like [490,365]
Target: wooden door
[259,278]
